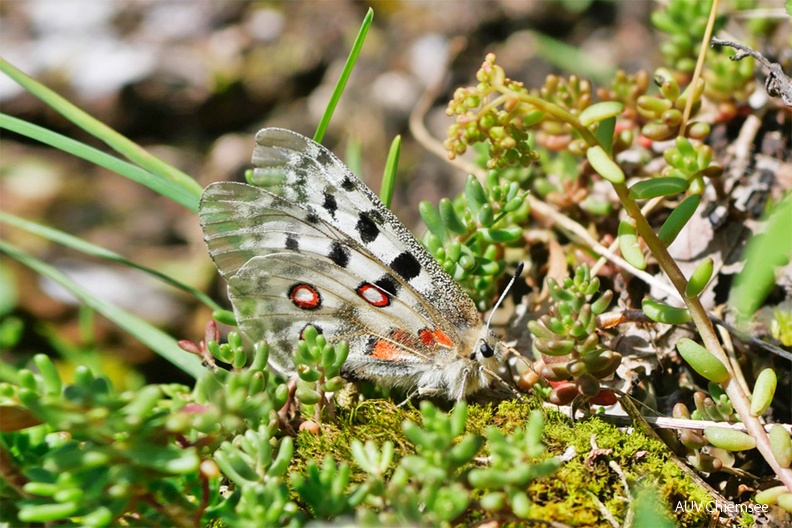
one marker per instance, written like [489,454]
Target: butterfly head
[486,348]
[479,356]
[483,347]
[489,350]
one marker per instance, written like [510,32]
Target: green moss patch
[574,495]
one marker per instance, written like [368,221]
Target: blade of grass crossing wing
[130,150]
[353,155]
[342,80]
[157,340]
[166,187]
[83,246]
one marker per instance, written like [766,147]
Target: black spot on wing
[312,218]
[300,186]
[387,284]
[367,227]
[316,327]
[285,345]
[330,204]
[347,184]
[304,164]
[370,344]
[339,254]
[376,216]
[292,242]
[406,265]
[251,287]
[324,158]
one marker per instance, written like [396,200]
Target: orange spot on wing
[437,337]
[426,336]
[384,350]
[441,338]
[401,336]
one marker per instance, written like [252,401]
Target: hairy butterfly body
[310,244]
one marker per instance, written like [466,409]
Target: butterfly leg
[408,398]
[496,377]
[424,392]
[462,391]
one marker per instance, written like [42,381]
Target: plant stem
[11,472]
[699,65]
[704,326]
[553,110]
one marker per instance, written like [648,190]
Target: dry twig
[777,84]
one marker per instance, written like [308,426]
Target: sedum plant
[505,114]
[573,360]
[513,467]
[426,488]
[97,455]
[82,454]
[435,486]
[468,236]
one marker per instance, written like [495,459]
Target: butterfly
[310,244]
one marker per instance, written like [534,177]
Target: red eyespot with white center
[305,296]
[373,295]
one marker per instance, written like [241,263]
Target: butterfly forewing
[306,173]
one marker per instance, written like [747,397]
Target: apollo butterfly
[309,244]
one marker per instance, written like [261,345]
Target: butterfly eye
[486,350]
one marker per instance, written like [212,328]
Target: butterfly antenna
[517,273]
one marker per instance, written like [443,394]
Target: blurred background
[192,81]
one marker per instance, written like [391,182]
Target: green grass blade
[186,196]
[156,339]
[764,253]
[389,175]
[342,80]
[129,149]
[353,157]
[572,59]
[93,250]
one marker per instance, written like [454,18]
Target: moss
[566,496]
